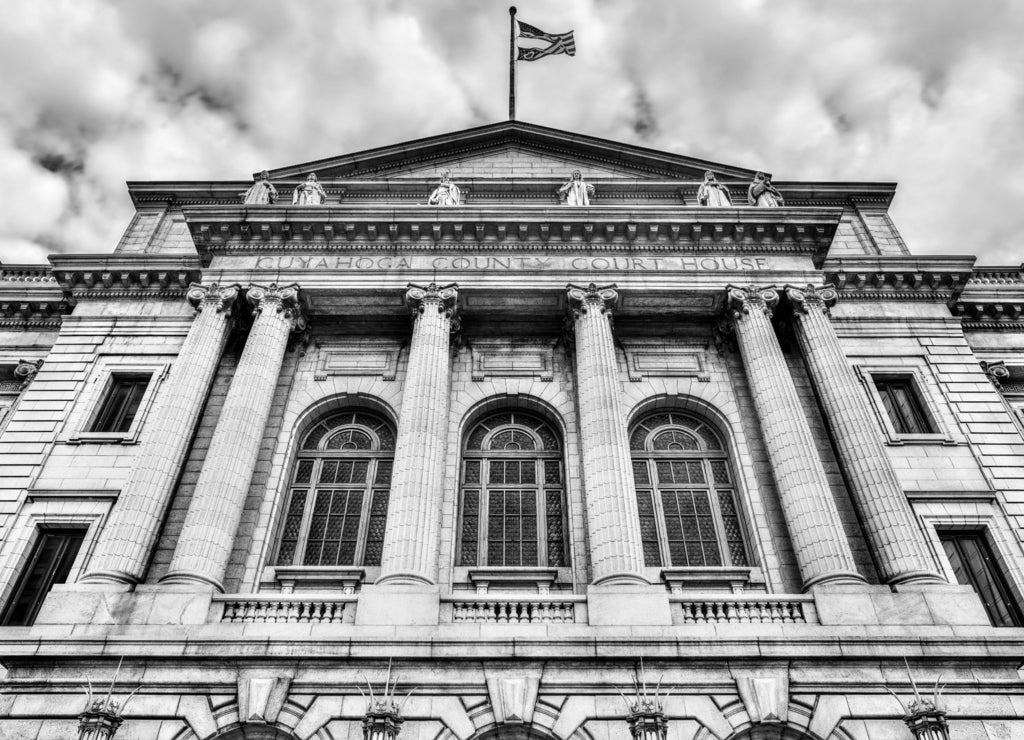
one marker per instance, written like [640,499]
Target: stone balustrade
[735,609]
[277,609]
[515,609]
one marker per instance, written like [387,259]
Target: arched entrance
[252,731]
[773,732]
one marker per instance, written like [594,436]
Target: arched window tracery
[512,510]
[337,505]
[686,493]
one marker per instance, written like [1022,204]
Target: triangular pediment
[511,149]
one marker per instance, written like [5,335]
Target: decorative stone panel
[366,357]
[504,360]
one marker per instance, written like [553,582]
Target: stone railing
[507,609]
[740,609]
[277,609]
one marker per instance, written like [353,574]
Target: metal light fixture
[102,717]
[646,716]
[383,720]
[923,715]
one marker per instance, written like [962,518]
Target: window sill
[898,440]
[707,580]
[539,580]
[291,578]
[128,438]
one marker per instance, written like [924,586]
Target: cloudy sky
[927,93]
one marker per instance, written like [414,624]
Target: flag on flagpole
[559,43]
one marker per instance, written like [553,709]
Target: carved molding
[803,299]
[283,299]
[582,299]
[367,357]
[512,360]
[513,692]
[221,298]
[765,694]
[261,696]
[742,299]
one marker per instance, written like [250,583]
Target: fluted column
[819,544]
[896,540]
[208,535]
[613,523]
[126,543]
[414,506]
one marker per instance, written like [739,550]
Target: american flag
[560,43]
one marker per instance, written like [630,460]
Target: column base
[196,581]
[840,580]
[627,603]
[90,603]
[114,577]
[398,604]
[925,604]
[923,578]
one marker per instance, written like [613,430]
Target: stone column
[896,540]
[126,543]
[208,535]
[821,549]
[414,506]
[613,522]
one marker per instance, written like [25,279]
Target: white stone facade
[642,429]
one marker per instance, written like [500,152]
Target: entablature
[30,296]
[118,276]
[272,228]
[993,299]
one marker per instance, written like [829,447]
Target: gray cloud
[923,92]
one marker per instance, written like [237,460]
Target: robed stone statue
[309,193]
[446,193]
[713,193]
[576,192]
[261,192]
[762,193]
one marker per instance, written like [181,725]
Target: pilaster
[126,543]
[208,535]
[895,537]
[822,551]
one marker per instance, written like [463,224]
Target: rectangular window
[49,563]
[975,566]
[121,403]
[902,404]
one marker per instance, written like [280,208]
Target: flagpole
[512,64]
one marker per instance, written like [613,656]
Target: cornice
[30,297]
[116,276]
[798,230]
[993,299]
[938,278]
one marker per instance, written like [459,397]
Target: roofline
[667,159]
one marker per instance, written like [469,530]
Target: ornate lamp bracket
[923,715]
[996,372]
[102,717]
[646,717]
[383,720]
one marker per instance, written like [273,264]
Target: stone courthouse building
[514,432]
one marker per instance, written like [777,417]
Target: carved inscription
[509,263]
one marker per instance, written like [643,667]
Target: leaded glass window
[513,495]
[337,505]
[686,494]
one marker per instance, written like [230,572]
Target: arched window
[338,500]
[685,493]
[513,499]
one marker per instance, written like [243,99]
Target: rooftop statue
[762,193]
[576,192]
[261,192]
[446,193]
[309,193]
[713,193]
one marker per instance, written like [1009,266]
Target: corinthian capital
[742,299]
[218,297]
[443,297]
[582,299]
[282,299]
[817,297]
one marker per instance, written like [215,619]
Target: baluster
[230,611]
[776,615]
[503,612]
[291,612]
[250,610]
[730,612]
[743,611]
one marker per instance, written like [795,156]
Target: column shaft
[613,522]
[126,543]
[208,535]
[414,506]
[895,537]
[821,549]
